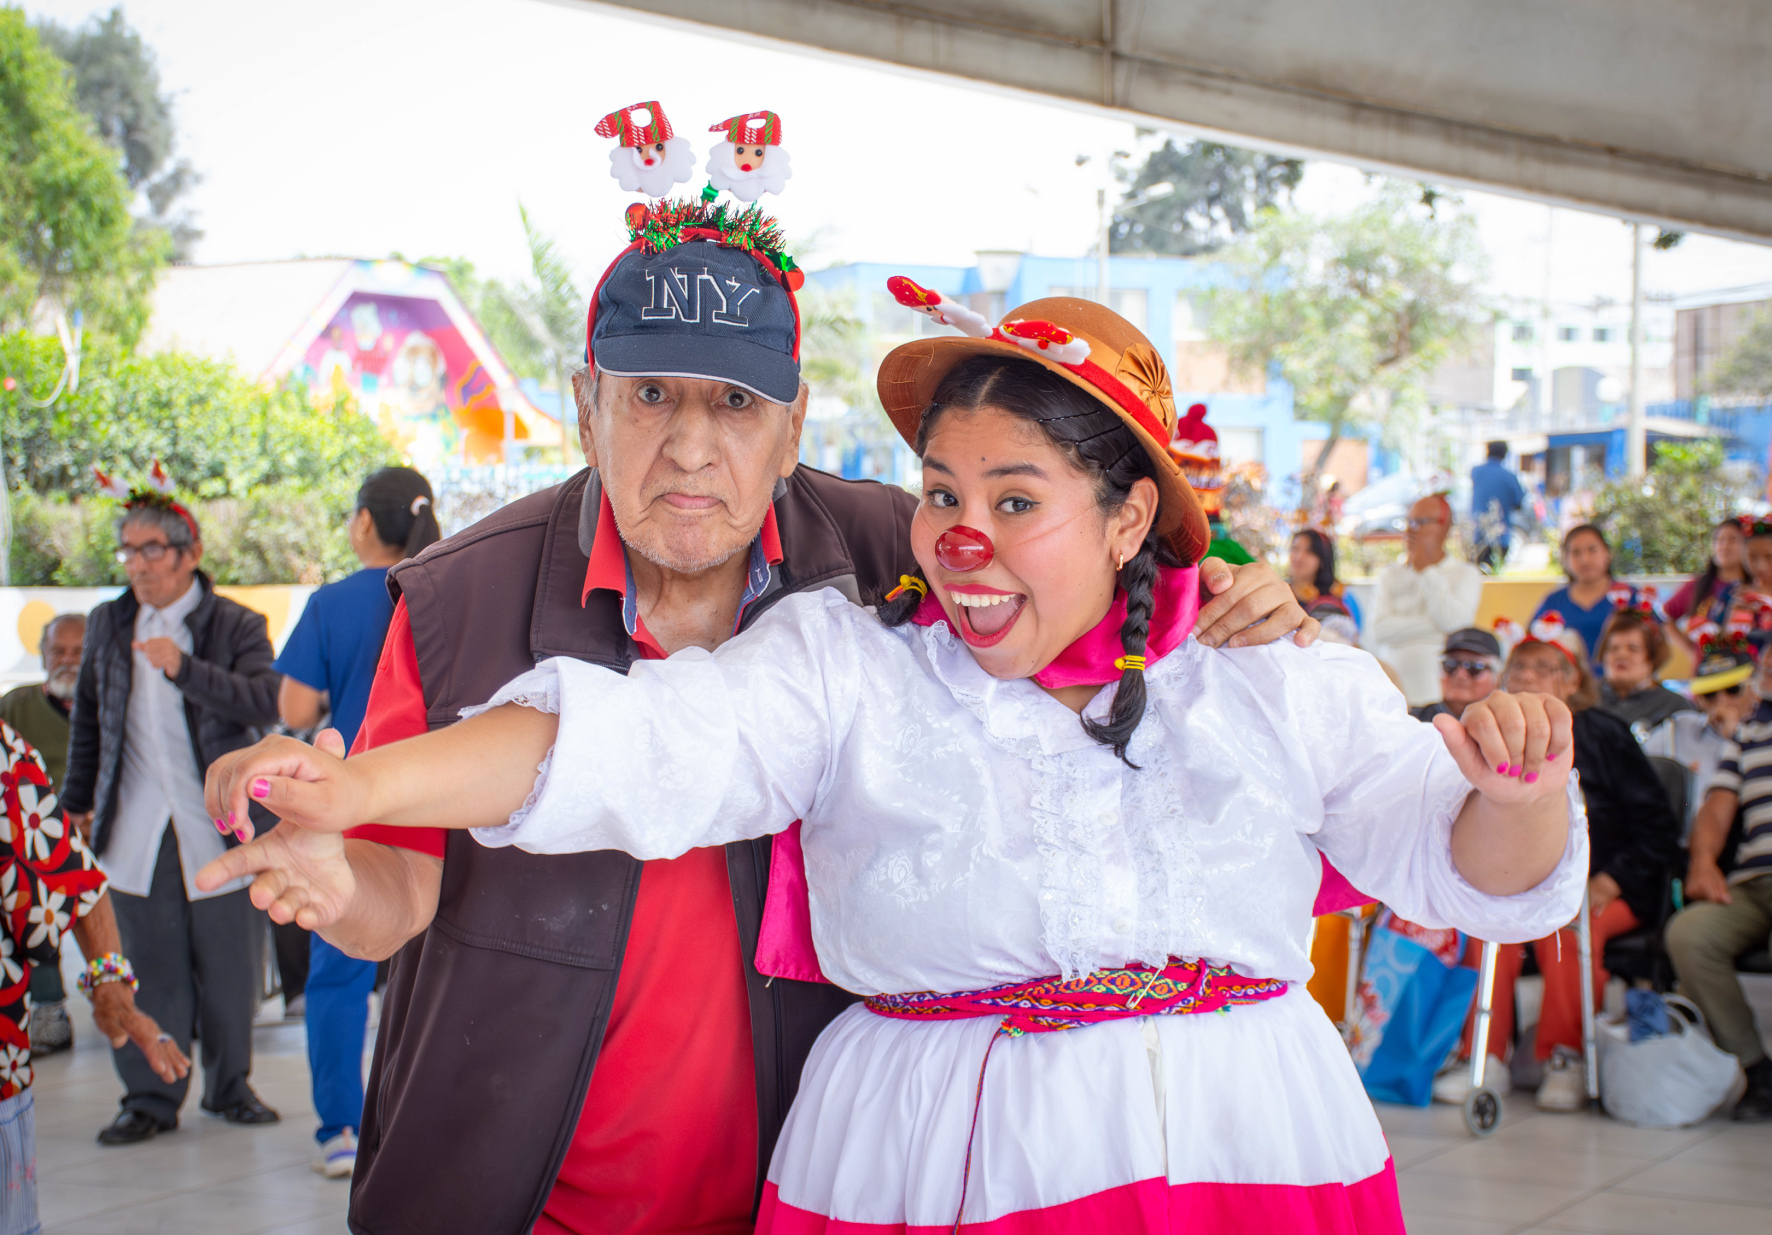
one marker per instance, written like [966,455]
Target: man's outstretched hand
[300,873]
[1251,605]
[115,1015]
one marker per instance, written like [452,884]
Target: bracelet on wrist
[111,967]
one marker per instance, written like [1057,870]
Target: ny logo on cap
[676,296]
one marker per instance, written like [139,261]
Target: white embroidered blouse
[962,832]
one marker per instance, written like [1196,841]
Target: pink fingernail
[220,827]
[1531,778]
[261,788]
[1501,769]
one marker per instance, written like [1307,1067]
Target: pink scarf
[1090,660]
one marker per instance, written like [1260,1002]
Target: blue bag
[1412,1004]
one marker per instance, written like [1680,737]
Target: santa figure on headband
[750,162]
[651,159]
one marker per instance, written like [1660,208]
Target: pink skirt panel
[1153,1207]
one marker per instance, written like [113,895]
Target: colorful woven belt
[1051,1005]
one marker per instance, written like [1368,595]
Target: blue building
[1159,295]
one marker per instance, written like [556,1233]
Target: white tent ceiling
[1656,110]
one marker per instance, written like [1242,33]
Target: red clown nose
[961,549]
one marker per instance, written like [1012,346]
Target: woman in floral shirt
[50,884]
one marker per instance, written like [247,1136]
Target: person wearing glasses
[173,677]
[1724,690]
[1470,665]
[1421,600]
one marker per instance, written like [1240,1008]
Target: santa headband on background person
[157,493]
[651,159]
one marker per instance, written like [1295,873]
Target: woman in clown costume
[1067,854]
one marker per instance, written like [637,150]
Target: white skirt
[1250,1119]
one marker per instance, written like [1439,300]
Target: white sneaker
[1453,1085]
[1565,1083]
[336,1158]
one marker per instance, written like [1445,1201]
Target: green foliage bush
[271,477]
[1662,524]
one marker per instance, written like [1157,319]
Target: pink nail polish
[1501,769]
[220,828]
[1531,778]
[261,788]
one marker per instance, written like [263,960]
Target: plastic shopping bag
[1413,999]
[1668,1081]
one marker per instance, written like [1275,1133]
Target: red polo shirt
[667,1141]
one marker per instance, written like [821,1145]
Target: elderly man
[39,712]
[173,677]
[1421,600]
[586,1043]
[1729,898]
[1470,668]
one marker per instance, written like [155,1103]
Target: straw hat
[1091,347]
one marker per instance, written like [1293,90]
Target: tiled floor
[1537,1173]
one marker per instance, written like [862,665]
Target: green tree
[1219,193]
[1354,310]
[274,476]
[117,84]
[1662,523]
[1746,367]
[67,241]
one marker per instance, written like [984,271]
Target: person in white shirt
[1421,600]
[1723,688]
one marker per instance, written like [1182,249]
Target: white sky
[359,127]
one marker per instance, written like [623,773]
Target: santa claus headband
[650,158]
[156,494]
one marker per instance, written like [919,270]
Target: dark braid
[1097,443]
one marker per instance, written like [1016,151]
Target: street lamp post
[1159,190]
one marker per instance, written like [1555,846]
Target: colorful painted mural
[396,338]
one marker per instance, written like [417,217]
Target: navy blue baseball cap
[701,309]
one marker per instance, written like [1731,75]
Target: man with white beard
[750,162]
[39,711]
[650,158]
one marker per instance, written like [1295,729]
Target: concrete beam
[1652,110]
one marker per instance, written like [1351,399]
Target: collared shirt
[1746,770]
[611,570]
[160,778]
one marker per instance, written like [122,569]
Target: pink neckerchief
[1090,660]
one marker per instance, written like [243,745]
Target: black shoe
[248,1110]
[1756,1104]
[131,1127]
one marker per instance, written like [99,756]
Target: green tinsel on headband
[660,226]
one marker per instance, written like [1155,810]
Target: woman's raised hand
[1513,748]
[311,786]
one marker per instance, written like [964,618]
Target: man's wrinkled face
[1466,678]
[62,645]
[159,573]
[1728,709]
[689,465]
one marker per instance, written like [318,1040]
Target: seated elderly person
[1632,650]
[1723,688]
[1729,900]
[1469,665]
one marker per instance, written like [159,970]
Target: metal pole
[1636,446]
[1584,949]
[1101,284]
[1485,1009]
